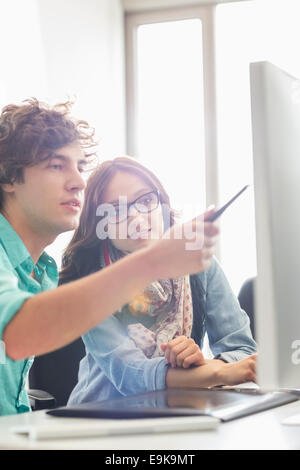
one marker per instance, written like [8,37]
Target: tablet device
[222,404]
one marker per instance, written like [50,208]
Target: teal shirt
[16,286]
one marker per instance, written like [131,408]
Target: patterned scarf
[169,301]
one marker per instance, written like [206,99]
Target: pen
[220,211]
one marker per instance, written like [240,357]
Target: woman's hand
[212,373]
[183,352]
[234,373]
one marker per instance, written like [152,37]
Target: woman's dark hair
[32,132]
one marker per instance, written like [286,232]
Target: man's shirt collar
[17,251]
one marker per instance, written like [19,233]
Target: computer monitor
[275,102]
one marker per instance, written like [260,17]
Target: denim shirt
[114,366]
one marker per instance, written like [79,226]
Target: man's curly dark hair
[32,132]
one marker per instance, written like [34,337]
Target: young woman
[155,341]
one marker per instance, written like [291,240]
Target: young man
[43,153]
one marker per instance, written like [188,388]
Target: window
[216,164]
[170,130]
[246,32]
[169,86]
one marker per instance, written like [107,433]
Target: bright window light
[246,32]
[170,128]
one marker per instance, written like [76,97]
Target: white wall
[84,50]
[23,72]
[55,49]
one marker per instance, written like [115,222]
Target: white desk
[259,431]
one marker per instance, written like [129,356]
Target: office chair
[246,300]
[53,376]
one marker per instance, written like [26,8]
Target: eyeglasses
[143,204]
